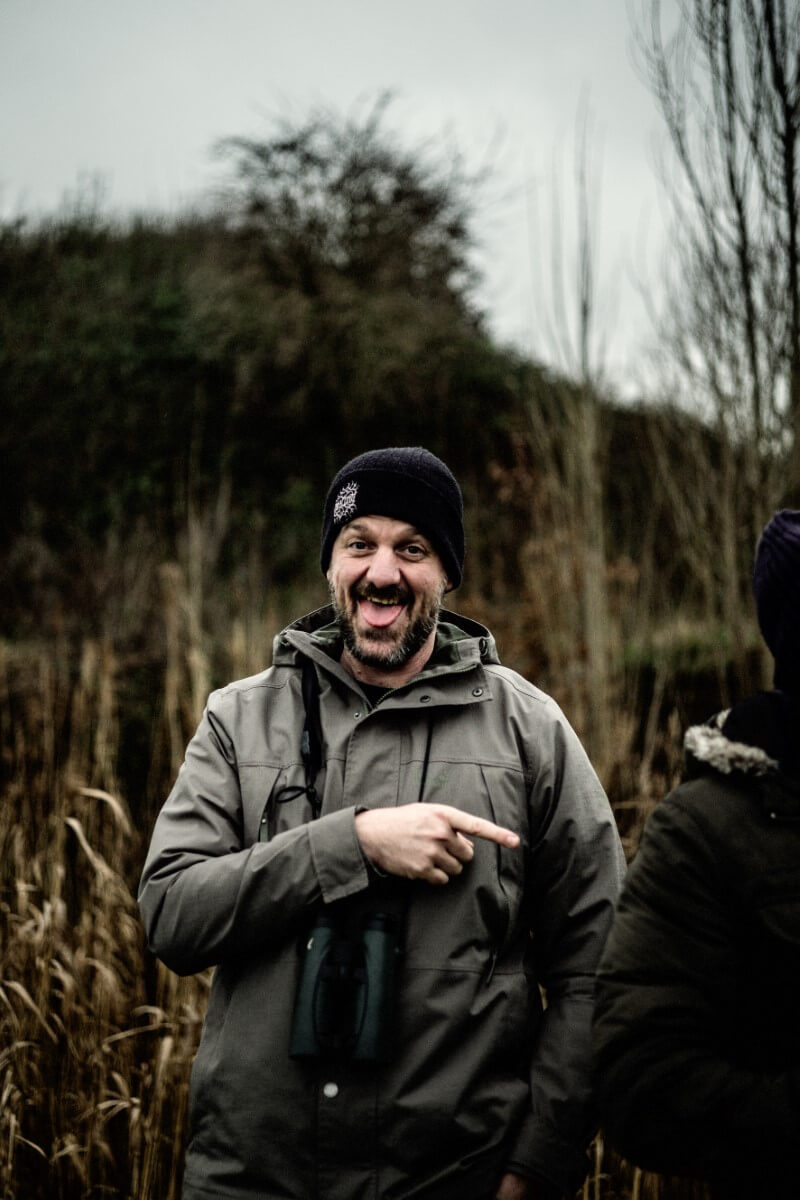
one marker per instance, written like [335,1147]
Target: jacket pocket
[257,783]
[466,924]
[508,804]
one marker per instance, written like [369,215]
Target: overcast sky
[136,95]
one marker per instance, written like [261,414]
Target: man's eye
[415,551]
[357,544]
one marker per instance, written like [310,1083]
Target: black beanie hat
[776,584]
[407,483]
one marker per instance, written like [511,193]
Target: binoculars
[343,1005]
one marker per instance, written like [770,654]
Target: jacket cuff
[540,1152]
[336,855]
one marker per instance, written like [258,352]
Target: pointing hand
[425,841]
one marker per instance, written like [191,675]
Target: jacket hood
[756,741]
[707,745]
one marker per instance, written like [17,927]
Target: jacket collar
[461,645]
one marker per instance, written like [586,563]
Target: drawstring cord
[426,760]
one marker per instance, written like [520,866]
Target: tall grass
[96,1037]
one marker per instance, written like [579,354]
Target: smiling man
[390,846]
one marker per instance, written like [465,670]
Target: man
[294,842]
[696,1032]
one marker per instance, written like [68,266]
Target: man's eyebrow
[413,534]
[410,534]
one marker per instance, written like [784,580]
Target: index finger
[480,827]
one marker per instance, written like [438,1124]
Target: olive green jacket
[482,1078]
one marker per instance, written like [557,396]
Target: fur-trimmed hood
[757,743]
[708,744]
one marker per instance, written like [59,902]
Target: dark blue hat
[407,483]
[776,584]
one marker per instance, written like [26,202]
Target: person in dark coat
[696,1029]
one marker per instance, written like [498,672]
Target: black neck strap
[311,745]
[311,739]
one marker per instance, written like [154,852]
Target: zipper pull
[489,970]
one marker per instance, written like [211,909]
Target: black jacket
[697,1022]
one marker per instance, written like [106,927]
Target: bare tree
[727,82]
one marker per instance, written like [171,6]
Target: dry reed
[97,1037]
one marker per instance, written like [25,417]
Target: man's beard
[414,638]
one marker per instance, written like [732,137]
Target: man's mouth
[377,613]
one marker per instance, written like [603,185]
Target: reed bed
[97,1037]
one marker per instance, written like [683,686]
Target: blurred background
[558,245]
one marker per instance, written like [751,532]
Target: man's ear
[448,587]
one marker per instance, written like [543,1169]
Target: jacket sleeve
[204,895]
[576,870]
[673,1096]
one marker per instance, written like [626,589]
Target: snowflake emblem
[345,506]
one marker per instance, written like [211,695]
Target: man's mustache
[389,595]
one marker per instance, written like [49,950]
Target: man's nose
[384,569]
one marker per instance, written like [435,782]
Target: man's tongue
[379,615]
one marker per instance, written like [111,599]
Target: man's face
[387,584]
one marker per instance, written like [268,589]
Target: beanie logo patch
[345,506]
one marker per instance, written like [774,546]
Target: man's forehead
[374,522]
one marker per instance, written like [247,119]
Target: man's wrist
[371,866]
